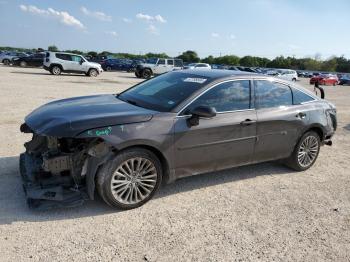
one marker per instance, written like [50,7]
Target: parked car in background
[197,66]
[97,59]
[35,60]
[6,57]
[116,64]
[344,80]
[287,74]
[157,66]
[179,124]
[58,62]
[324,79]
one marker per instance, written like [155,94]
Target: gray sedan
[179,124]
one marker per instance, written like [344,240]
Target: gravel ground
[263,212]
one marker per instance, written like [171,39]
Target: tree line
[332,64]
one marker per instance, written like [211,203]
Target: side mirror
[200,111]
[81,62]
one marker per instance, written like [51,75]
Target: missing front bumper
[47,192]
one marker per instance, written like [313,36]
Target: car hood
[147,65]
[69,117]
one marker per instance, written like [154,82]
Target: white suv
[287,74]
[197,66]
[58,62]
[157,66]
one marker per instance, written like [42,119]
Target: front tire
[23,64]
[6,62]
[93,72]
[305,152]
[130,179]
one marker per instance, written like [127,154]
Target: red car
[324,80]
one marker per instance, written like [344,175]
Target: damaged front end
[60,172]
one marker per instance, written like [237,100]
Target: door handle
[247,122]
[301,115]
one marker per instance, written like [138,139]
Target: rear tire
[130,179]
[6,62]
[23,64]
[56,70]
[305,152]
[93,72]
[108,68]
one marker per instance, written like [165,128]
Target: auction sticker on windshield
[195,80]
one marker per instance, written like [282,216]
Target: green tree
[227,60]
[209,60]
[159,55]
[52,48]
[92,53]
[280,62]
[329,65]
[189,57]
[249,61]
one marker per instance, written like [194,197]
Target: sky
[301,28]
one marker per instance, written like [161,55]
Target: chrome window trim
[225,81]
[220,113]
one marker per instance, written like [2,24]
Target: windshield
[151,61]
[164,92]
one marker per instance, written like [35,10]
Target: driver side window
[161,62]
[228,96]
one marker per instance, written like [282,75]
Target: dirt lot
[262,212]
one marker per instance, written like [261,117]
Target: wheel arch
[93,68]
[318,129]
[55,64]
[163,160]
[94,164]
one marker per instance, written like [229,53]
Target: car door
[161,67]
[37,60]
[77,63]
[66,61]
[220,142]
[279,121]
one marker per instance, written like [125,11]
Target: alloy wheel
[93,73]
[308,151]
[134,180]
[56,70]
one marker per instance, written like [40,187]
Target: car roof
[218,73]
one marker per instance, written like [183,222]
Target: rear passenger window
[64,57]
[270,94]
[300,97]
[178,63]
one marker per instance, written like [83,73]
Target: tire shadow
[13,207]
